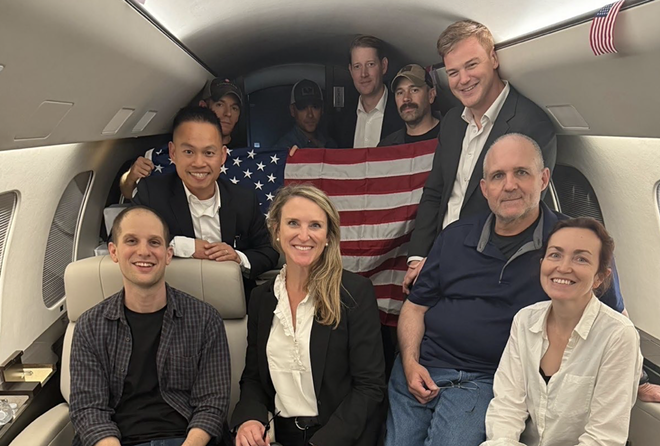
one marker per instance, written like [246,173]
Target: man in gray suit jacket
[492,108]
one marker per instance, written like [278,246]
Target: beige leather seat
[89,281]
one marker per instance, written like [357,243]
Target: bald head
[514,178]
[515,141]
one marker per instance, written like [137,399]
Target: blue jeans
[455,417]
[168,442]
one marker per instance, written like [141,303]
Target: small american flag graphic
[601,35]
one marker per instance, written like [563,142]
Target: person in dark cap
[306,108]
[225,99]
[414,93]
[221,96]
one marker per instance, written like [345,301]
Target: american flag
[256,169]
[377,192]
[261,170]
[601,35]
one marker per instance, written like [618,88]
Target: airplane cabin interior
[86,87]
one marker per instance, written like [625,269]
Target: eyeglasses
[268,424]
[469,385]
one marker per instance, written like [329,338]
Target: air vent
[7,205]
[62,238]
[568,117]
[144,121]
[117,121]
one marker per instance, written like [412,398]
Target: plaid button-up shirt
[192,363]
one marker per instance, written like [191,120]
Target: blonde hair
[324,281]
[462,30]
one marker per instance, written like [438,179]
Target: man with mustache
[491,108]
[414,93]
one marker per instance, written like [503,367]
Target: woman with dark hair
[315,354]
[571,365]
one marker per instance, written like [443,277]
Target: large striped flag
[601,34]
[377,192]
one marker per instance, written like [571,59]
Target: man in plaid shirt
[150,364]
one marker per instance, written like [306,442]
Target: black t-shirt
[431,134]
[402,137]
[509,245]
[142,414]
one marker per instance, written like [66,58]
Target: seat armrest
[53,428]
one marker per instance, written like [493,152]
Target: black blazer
[241,222]
[391,122]
[348,367]
[518,115]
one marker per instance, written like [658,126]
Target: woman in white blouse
[315,355]
[571,366]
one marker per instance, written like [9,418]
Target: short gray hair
[538,154]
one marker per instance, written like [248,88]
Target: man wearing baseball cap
[222,97]
[306,108]
[414,93]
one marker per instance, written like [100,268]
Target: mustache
[409,105]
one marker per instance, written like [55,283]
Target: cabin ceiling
[238,37]
[71,68]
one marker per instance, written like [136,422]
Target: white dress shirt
[288,355]
[473,144]
[206,223]
[369,124]
[586,402]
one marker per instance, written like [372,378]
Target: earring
[326,243]
[277,239]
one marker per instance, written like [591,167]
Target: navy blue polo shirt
[473,292]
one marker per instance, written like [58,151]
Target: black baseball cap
[220,87]
[306,92]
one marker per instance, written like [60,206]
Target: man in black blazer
[375,115]
[492,108]
[209,218]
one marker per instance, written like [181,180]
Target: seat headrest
[87,282]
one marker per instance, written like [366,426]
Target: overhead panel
[43,121]
[118,121]
[144,121]
[568,117]
[319,31]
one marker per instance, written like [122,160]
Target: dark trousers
[390,348]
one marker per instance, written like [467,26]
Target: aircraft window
[576,196]
[60,248]
[7,206]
